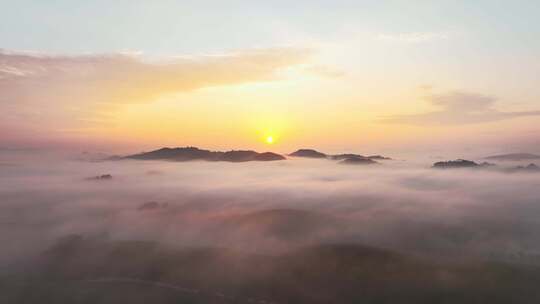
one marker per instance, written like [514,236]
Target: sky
[339,76]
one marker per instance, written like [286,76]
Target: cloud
[52,89]
[412,37]
[458,108]
[400,206]
[325,71]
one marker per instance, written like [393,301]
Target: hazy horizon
[369,76]
[419,185]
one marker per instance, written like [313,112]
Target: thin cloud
[458,108]
[325,71]
[412,37]
[211,204]
[43,89]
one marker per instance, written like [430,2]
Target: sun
[269,140]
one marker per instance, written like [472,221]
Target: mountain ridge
[193,153]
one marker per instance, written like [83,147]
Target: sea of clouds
[408,207]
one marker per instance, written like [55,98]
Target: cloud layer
[413,37]
[42,91]
[458,108]
[404,207]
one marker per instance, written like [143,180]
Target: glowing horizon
[328,151]
[387,82]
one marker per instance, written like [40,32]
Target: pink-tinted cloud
[458,108]
[40,91]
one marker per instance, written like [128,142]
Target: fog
[406,207]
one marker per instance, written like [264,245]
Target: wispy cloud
[51,89]
[325,71]
[458,108]
[412,37]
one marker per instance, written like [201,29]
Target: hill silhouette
[358,161]
[310,153]
[345,156]
[458,163]
[193,153]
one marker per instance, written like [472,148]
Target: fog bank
[270,207]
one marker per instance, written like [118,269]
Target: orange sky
[389,82]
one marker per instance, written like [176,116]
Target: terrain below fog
[300,230]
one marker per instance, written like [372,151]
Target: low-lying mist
[291,231]
[270,207]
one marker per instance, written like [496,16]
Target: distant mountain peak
[458,163]
[194,153]
[310,153]
[358,161]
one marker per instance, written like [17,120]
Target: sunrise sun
[269,140]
